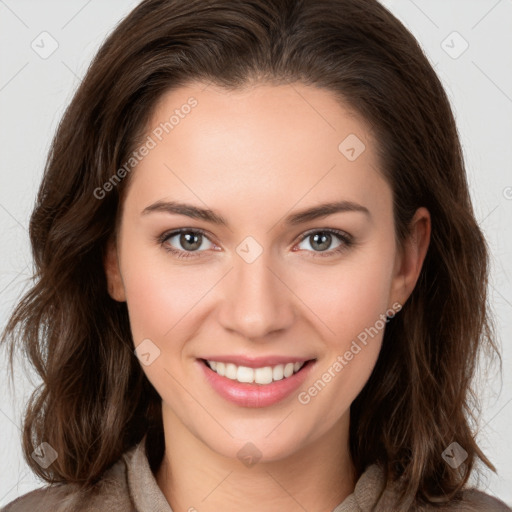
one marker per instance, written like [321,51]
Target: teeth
[231,371]
[278,372]
[244,374]
[288,370]
[264,375]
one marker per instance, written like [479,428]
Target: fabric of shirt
[130,486]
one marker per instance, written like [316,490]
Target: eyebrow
[300,217]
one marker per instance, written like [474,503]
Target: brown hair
[95,402]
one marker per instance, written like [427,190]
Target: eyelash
[346,239]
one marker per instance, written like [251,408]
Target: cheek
[351,296]
[350,301]
[161,296]
[352,311]
[344,298]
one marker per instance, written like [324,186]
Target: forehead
[261,145]
[285,114]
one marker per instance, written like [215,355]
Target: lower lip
[255,395]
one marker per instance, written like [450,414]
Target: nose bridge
[256,301]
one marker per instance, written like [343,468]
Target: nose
[257,301]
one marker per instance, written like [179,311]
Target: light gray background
[34,92]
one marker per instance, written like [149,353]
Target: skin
[256,156]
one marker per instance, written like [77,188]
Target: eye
[321,240]
[190,240]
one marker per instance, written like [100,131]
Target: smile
[264,375]
[261,386]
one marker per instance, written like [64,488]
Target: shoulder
[109,493]
[55,497]
[470,499]
[474,500]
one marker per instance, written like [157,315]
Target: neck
[194,478]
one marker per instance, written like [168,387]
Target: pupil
[186,243]
[325,240]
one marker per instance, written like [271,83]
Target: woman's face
[254,280]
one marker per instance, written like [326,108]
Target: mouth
[255,386]
[260,375]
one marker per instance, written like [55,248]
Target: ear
[113,273]
[410,258]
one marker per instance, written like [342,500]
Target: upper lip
[257,362]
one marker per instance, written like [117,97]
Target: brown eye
[190,241]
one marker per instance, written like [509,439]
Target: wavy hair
[95,402]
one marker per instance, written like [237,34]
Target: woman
[260,283]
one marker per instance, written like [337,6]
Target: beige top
[130,486]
